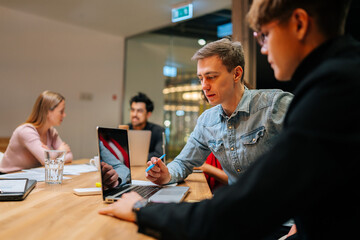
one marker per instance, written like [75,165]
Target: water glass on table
[54,166]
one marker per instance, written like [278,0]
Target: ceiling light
[201,42]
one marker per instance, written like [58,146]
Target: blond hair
[47,101]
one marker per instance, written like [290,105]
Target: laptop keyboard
[146,191]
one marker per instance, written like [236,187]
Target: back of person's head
[231,53]
[329,15]
[47,101]
[141,97]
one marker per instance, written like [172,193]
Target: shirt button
[254,140]
[232,149]
[238,170]
[229,127]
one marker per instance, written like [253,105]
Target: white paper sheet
[37,174]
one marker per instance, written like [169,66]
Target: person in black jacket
[141,108]
[311,173]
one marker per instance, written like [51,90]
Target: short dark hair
[141,97]
[230,52]
[330,15]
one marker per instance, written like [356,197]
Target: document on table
[38,174]
[76,169]
[40,177]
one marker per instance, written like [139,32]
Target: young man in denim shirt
[239,128]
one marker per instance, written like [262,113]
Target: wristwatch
[139,204]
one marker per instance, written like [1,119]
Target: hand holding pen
[157,172]
[152,165]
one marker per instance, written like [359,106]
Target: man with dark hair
[141,108]
[311,173]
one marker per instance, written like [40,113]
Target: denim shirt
[120,168]
[236,141]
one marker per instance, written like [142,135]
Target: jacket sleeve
[30,138]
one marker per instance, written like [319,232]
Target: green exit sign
[182,13]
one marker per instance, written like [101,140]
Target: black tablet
[15,189]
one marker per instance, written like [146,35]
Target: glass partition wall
[184,102]
[160,66]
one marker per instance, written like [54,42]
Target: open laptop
[139,143]
[113,149]
[16,189]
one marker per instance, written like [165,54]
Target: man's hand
[159,174]
[123,208]
[292,231]
[109,175]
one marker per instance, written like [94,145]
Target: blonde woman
[28,141]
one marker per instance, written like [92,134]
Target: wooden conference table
[54,212]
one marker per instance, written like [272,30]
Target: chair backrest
[4,142]
[126,127]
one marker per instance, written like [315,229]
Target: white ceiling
[117,17]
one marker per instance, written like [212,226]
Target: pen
[152,165]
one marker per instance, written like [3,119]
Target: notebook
[15,189]
[113,147]
[139,143]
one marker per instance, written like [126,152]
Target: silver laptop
[139,143]
[113,149]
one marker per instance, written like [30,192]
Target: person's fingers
[107,210]
[131,195]
[150,178]
[111,177]
[109,174]
[161,165]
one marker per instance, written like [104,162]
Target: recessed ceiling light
[201,42]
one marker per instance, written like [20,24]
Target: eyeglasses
[261,38]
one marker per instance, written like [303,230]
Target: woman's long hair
[47,101]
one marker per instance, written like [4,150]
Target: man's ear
[238,72]
[301,21]
[148,114]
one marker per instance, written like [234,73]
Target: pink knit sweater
[25,149]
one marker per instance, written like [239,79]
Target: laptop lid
[114,151]
[139,143]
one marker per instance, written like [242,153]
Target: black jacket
[311,174]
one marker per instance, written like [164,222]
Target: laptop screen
[114,151]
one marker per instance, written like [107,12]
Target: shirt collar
[243,105]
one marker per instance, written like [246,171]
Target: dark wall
[265,75]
